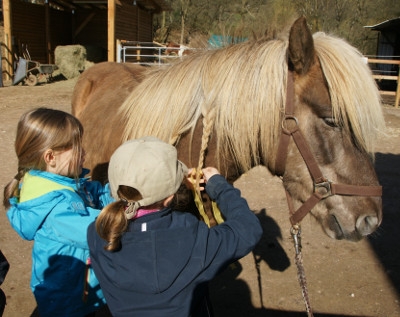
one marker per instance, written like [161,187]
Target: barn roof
[155,6]
[388,24]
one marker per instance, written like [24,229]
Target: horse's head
[172,48]
[337,125]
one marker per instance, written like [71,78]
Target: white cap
[150,166]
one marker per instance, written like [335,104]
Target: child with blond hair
[49,201]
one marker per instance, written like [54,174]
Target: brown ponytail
[11,189]
[111,224]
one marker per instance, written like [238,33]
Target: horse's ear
[301,46]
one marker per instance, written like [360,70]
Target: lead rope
[295,231]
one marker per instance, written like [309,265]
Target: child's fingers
[209,172]
[191,179]
[205,174]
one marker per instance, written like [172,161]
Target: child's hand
[208,172]
[190,180]
[205,174]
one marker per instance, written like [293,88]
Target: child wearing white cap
[154,261]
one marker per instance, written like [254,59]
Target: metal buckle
[295,231]
[324,189]
[286,118]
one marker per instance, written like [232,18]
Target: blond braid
[208,125]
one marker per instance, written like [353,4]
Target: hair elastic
[131,208]
[19,175]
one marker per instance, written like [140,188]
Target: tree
[344,18]
[184,7]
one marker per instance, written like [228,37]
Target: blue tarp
[218,41]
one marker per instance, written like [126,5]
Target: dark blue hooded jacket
[164,270]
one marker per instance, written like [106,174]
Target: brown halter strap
[323,188]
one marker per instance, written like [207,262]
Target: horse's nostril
[366,224]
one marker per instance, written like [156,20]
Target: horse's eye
[331,122]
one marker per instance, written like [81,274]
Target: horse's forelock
[354,94]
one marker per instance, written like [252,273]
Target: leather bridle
[323,187]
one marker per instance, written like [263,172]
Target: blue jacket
[164,270]
[52,213]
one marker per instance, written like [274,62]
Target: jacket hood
[39,200]
[30,215]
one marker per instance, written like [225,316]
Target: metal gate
[149,53]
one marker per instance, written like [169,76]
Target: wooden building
[388,37]
[44,24]
[386,64]
[388,46]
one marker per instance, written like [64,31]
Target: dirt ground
[344,278]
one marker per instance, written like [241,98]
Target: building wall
[29,28]
[95,31]
[132,23]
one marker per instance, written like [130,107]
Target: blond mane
[240,93]
[355,97]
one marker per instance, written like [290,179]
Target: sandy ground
[344,278]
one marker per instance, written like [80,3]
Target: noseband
[323,187]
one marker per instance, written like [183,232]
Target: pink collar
[143,212]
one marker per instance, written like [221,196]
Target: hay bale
[71,60]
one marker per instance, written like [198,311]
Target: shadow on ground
[386,241]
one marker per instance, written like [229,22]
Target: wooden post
[138,53]
[396,103]
[137,23]
[48,34]
[1,68]
[8,56]
[137,33]
[119,46]
[111,31]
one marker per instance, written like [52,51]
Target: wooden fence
[388,77]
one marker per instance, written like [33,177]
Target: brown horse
[226,108]
[91,91]
[177,49]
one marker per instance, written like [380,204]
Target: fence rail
[388,77]
[151,53]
